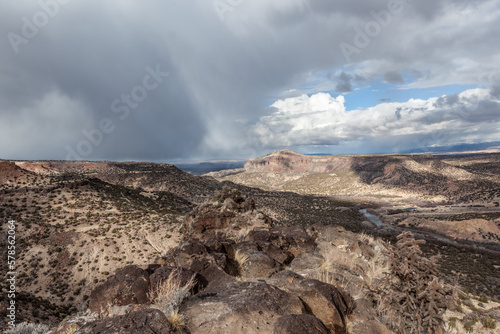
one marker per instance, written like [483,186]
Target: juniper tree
[412,298]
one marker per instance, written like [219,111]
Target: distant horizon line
[490,150]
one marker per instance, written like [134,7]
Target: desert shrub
[470,305]
[169,294]
[28,328]
[458,307]
[452,323]
[469,325]
[489,323]
[412,299]
[483,298]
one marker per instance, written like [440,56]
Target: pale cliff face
[286,161]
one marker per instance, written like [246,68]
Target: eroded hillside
[392,176]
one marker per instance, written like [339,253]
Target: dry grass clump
[168,295]
[177,321]
[378,265]
[242,234]
[240,258]
[366,238]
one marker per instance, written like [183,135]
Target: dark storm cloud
[64,63]
[344,83]
[91,53]
[393,77]
[495,91]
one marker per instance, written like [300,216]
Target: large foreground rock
[195,256]
[259,265]
[179,275]
[129,285]
[229,307]
[149,321]
[307,260]
[323,300]
[293,239]
[299,324]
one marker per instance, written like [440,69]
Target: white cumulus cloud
[321,119]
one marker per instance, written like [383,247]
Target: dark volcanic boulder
[297,239]
[210,220]
[259,265]
[282,256]
[129,285]
[292,238]
[238,307]
[182,275]
[148,321]
[216,242]
[299,324]
[195,256]
[225,209]
[326,302]
[265,235]
[253,263]
[307,260]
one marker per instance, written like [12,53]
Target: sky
[227,79]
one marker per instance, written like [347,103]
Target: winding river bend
[374,219]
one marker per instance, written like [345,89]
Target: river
[374,219]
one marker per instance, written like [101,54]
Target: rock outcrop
[299,324]
[328,303]
[226,210]
[195,256]
[236,281]
[239,307]
[129,285]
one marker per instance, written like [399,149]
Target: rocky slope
[235,271]
[144,175]
[11,175]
